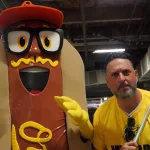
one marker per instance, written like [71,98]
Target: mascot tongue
[35,91]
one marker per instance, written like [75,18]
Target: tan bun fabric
[73,87]
[5,117]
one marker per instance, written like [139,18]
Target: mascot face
[33,48]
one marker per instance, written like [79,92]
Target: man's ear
[136,75]
[106,81]
[2,38]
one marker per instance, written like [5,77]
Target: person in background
[117,120]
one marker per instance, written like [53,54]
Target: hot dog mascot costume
[38,69]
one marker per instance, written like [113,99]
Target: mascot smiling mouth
[34,79]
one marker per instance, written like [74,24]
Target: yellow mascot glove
[79,117]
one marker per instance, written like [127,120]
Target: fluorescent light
[109,50]
[105,98]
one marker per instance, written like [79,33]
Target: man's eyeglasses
[19,40]
[130,129]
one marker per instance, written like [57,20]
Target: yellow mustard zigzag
[31,59]
[24,60]
[43,61]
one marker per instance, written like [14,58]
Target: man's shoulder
[144,92]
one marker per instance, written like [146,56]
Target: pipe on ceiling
[3,3]
[131,19]
[82,4]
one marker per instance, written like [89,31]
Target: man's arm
[100,149]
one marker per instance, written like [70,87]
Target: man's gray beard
[126,94]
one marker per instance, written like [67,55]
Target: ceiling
[99,24]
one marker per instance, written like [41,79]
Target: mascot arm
[79,117]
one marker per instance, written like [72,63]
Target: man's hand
[129,146]
[79,117]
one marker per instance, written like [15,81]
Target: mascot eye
[18,41]
[22,42]
[50,40]
[46,42]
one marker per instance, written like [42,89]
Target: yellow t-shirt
[110,123]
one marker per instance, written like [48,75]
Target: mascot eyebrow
[45,26]
[23,25]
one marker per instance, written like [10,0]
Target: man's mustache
[123,85]
[31,59]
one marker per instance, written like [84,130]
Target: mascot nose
[34,50]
